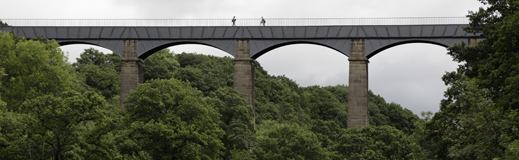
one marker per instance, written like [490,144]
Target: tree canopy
[478,117]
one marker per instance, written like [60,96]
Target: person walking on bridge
[233,21]
[262,21]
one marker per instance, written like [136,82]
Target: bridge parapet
[239,22]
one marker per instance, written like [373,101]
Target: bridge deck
[263,38]
[251,32]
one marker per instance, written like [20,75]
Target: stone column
[358,86]
[132,72]
[244,72]
[474,41]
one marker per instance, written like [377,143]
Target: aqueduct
[246,43]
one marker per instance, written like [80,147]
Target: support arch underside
[375,46]
[115,46]
[146,48]
[260,47]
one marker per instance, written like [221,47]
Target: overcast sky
[408,74]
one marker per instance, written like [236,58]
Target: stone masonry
[131,69]
[474,41]
[244,72]
[358,86]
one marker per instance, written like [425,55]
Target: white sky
[409,74]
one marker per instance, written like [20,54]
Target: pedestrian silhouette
[262,21]
[233,21]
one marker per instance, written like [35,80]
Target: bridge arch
[260,47]
[115,46]
[147,47]
[177,43]
[314,65]
[374,46]
[415,71]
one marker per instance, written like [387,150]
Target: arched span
[260,47]
[115,46]
[175,43]
[373,47]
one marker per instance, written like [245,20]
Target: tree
[236,119]
[207,73]
[32,69]
[69,126]
[160,65]
[93,56]
[2,103]
[288,141]
[478,117]
[168,119]
[3,24]
[375,142]
[100,71]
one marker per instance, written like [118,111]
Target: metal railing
[239,22]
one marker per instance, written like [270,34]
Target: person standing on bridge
[262,21]
[233,21]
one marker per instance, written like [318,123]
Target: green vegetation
[187,108]
[478,118]
[3,24]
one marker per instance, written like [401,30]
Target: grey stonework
[132,73]
[474,41]
[358,99]
[244,72]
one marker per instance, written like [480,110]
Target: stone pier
[474,41]
[244,72]
[358,99]
[132,72]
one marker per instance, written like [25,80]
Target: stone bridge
[246,43]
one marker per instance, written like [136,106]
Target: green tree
[93,56]
[3,24]
[33,69]
[236,119]
[478,117]
[392,114]
[375,142]
[2,103]
[168,119]
[69,126]
[278,98]
[206,73]
[160,65]
[288,141]
[100,71]
[13,136]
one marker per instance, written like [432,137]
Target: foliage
[3,24]
[68,126]
[2,103]
[287,141]
[207,73]
[478,118]
[321,104]
[100,71]
[373,142]
[92,56]
[33,69]
[160,65]
[187,109]
[392,114]
[168,119]
[236,119]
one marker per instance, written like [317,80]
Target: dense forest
[187,108]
